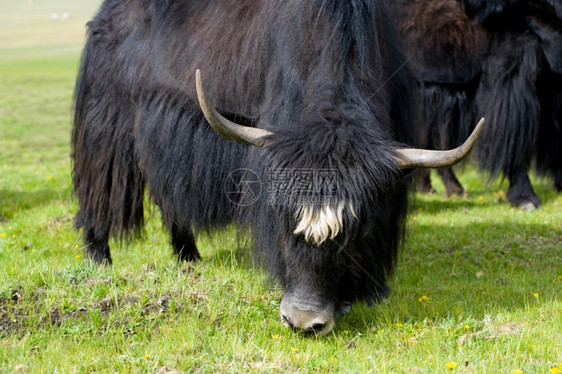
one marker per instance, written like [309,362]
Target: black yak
[315,102]
[501,59]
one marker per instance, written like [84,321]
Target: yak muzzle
[303,317]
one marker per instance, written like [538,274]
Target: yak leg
[520,193]
[558,182]
[452,185]
[183,242]
[423,181]
[97,247]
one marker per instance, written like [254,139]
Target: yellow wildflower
[77,256]
[451,365]
[275,336]
[517,371]
[554,370]
[295,350]
[423,299]
[147,357]
[481,198]
[3,235]
[536,295]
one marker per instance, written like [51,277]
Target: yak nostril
[288,321]
[317,327]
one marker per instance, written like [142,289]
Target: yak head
[338,241]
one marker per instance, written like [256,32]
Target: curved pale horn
[226,128]
[422,158]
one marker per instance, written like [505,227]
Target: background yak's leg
[183,242]
[549,147]
[423,181]
[520,193]
[452,184]
[509,100]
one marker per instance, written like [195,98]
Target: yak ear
[229,129]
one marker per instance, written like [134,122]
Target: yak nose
[307,319]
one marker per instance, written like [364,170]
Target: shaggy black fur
[495,59]
[326,76]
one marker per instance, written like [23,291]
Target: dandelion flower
[295,350]
[147,357]
[423,299]
[517,371]
[77,256]
[275,336]
[3,235]
[398,324]
[536,295]
[481,198]
[451,365]
[554,370]
[466,327]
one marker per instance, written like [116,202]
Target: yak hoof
[526,201]
[527,206]
[99,260]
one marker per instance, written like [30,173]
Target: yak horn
[421,158]
[226,128]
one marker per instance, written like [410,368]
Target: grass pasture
[478,288]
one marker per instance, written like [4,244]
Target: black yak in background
[322,105]
[501,59]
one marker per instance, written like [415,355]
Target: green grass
[491,275]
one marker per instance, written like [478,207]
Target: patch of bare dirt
[17,317]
